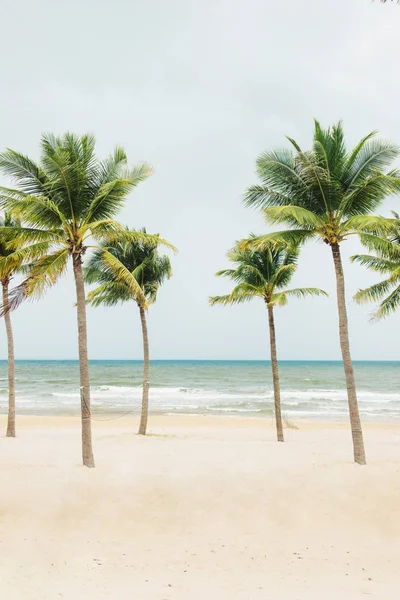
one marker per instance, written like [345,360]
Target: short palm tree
[12,263]
[265,274]
[69,197]
[327,193]
[386,261]
[147,270]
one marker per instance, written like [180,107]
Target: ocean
[310,389]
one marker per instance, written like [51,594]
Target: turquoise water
[310,389]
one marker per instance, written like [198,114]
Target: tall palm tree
[386,261]
[147,270]
[265,274]
[12,262]
[67,198]
[328,193]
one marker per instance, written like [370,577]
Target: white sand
[206,508]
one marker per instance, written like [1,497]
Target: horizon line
[140,360]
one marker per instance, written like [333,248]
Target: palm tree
[12,259]
[386,261]
[327,193]
[147,271]
[69,197]
[265,274]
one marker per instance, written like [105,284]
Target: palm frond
[369,194]
[112,194]
[288,238]
[30,177]
[29,235]
[279,299]
[282,183]
[382,246]
[283,275]
[140,237]
[111,167]
[375,263]
[294,216]
[122,275]
[374,156]
[374,293]
[243,292]
[13,260]
[304,292]
[357,149]
[109,294]
[37,211]
[377,225]
[41,275]
[46,271]
[388,306]
[258,196]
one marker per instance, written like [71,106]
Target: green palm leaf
[384,247]
[320,190]
[289,238]
[261,273]
[240,294]
[304,292]
[68,197]
[112,194]
[123,276]
[375,263]
[127,268]
[368,224]
[374,293]
[294,216]
[389,305]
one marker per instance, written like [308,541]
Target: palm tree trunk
[145,395]
[275,375]
[11,366]
[356,429]
[87,452]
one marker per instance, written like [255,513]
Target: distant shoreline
[197,361]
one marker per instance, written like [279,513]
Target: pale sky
[199,89]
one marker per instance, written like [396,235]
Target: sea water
[309,389]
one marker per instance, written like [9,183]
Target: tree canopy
[264,274]
[327,192]
[136,272]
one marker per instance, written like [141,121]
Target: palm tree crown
[386,261]
[327,192]
[140,261]
[66,199]
[11,261]
[263,274]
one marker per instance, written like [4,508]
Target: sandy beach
[203,507]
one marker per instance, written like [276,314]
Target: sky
[199,89]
